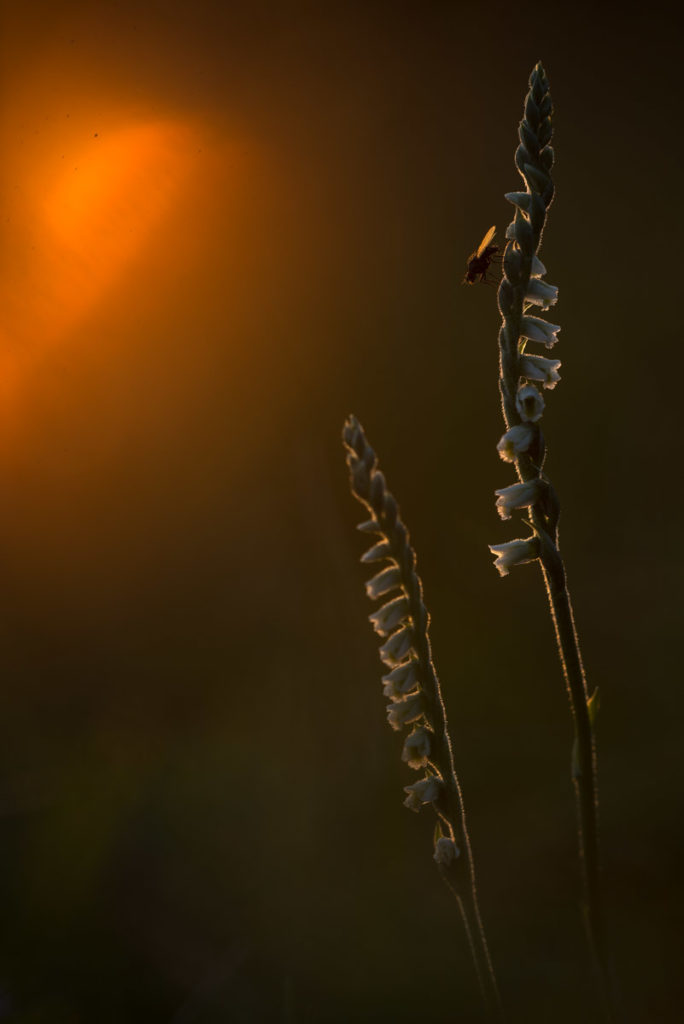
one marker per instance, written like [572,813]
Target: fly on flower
[479,261]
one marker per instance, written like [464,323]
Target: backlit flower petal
[539,368]
[397,647]
[515,441]
[518,496]
[401,680]
[536,329]
[385,581]
[401,713]
[417,748]
[539,293]
[425,791]
[514,552]
[529,403]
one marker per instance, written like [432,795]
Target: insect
[478,262]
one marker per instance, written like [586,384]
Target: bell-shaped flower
[385,581]
[515,441]
[401,713]
[539,293]
[536,329]
[540,368]
[446,851]
[397,647]
[529,403]
[518,496]
[425,791]
[514,552]
[417,748]
[401,680]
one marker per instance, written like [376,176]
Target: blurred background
[225,226]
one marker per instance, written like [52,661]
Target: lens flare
[78,219]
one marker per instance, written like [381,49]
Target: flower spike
[412,686]
[522,444]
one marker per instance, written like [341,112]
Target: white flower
[425,791]
[417,748]
[539,293]
[390,615]
[397,647]
[401,680]
[377,552]
[385,581]
[540,368]
[515,441]
[529,403]
[446,851]
[517,496]
[404,712]
[538,268]
[514,552]
[536,329]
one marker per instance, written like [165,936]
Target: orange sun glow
[78,215]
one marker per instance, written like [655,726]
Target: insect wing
[485,241]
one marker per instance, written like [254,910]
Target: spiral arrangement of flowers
[413,688]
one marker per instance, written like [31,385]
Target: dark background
[200,799]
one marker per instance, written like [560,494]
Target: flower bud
[446,852]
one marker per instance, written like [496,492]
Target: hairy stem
[584,767]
